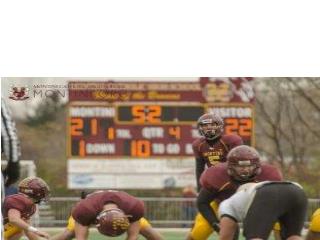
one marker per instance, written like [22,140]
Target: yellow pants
[315,221]
[202,229]
[71,223]
[11,230]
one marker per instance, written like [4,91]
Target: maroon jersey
[86,211]
[209,153]
[216,179]
[20,202]
[213,152]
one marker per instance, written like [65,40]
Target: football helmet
[35,188]
[210,126]
[112,222]
[243,163]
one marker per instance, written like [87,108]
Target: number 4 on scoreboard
[175,132]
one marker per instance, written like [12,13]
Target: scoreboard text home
[152,120]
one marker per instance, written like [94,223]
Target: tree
[46,110]
[288,116]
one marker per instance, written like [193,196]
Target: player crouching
[113,213]
[19,208]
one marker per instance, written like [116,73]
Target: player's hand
[216,227]
[83,194]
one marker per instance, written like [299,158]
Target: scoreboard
[137,130]
[149,121]
[145,130]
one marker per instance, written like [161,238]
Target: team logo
[19,93]
[218,92]
[243,88]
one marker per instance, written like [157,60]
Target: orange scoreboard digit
[146,120]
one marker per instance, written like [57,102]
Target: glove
[83,194]
[216,226]
[12,173]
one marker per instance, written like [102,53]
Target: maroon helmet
[112,222]
[210,126]
[35,188]
[243,163]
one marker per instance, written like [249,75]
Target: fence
[161,212]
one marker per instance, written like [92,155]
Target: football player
[259,206]
[212,147]
[19,208]
[222,180]
[113,213]
[314,227]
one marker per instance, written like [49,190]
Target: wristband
[32,229]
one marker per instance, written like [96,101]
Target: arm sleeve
[276,175]
[225,209]
[236,141]
[200,164]
[14,203]
[83,217]
[138,212]
[203,201]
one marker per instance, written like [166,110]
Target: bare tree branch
[278,110]
[315,82]
[304,95]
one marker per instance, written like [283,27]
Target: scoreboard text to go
[133,148]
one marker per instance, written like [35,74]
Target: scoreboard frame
[149,145]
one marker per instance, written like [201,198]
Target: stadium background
[286,133]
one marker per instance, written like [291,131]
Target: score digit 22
[240,126]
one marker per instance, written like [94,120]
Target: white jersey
[238,204]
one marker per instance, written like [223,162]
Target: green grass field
[167,235]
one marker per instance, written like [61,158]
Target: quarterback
[222,180]
[213,146]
